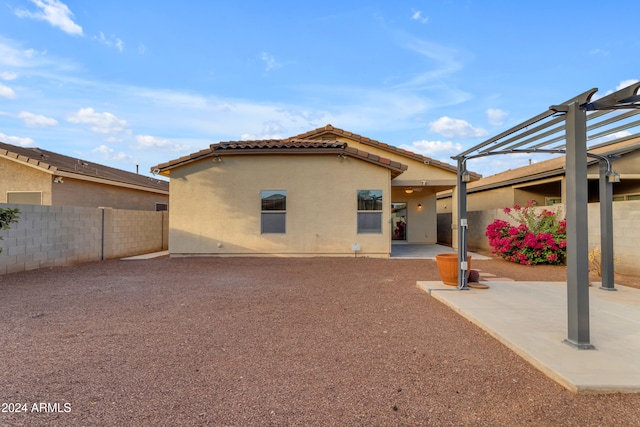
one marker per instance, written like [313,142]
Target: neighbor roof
[283,146]
[330,130]
[551,167]
[58,164]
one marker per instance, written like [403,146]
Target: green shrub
[7,217]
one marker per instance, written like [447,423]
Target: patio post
[463,177]
[606,226]
[577,230]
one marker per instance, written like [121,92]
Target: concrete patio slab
[146,256]
[531,319]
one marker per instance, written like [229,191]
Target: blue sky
[144,82]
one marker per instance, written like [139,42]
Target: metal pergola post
[606,225]
[577,230]
[462,225]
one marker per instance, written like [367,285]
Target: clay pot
[448,268]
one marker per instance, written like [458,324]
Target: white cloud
[148,142]
[104,123]
[598,51]
[16,140]
[262,137]
[6,92]
[36,120]
[610,138]
[109,153]
[455,128]
[55,13]
[446,61]
[439,150]
[418,16]
[270,61]
[111,41]
[141,49]
[13,56]
[5,75]
[270,130]
[496,116]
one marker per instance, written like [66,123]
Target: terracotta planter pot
[448,268]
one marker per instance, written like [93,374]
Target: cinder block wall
[47,236]
[626,231]
[134,232]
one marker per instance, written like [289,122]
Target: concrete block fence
[626,231]
[48,236]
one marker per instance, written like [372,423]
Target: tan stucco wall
[215,207]
[17,177]
[416,170]
[421,221]
[480,201]
[73,192]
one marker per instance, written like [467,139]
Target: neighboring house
[545,182]
[326,192]
[40,177]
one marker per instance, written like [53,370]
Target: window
[161,207]
[25,197]
[369,211]
[274,211]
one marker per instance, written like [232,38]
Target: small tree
[8,216]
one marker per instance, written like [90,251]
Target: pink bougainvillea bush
[539,238]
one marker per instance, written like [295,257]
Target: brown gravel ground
[269,342]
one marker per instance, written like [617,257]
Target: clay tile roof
[329,129]
[277,146]
[80,169]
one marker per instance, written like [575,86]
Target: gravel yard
[268,342]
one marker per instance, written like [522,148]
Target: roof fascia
[99,180]
[382,146]
[53,170]
[28,161]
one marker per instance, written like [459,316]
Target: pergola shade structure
[571,128]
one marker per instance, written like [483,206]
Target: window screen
[24,197]
[369,211]
[273,211]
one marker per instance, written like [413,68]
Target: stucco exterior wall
[416,170]
[480,201]
[216,207]
[421,221]
[18,177]
[73,192]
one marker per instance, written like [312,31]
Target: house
[39,177]
[327,192]
[545,182]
